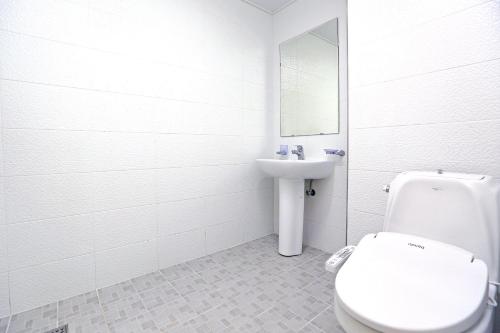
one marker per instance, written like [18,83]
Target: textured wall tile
[40,242]
[181,247]
[121,189]
[185,183]
[40,197]
[328,237]
[223,236]
[4,266]
[58,20]
[122,263]
[360,224]
[28,105]
[4,295]
[444,96]
[466,147]
[365,190]
[389,16]
[179,216]
[455,44]
[45,152]
[38,285]
[224,208]
[115,228]
[27,59]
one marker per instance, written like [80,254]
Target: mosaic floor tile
[190,284]
[164,294]
[82,313]
[248,288]
[303,305]
[201,264]
[316,266]
[123,310]
[142,323]
[177,272]
[230,314]
[279,319]
[296,277]
[327,321]
[216,273]
[115,292]
[148,281]
[203,301]
[37,320]
[204,323]
[173,314]
[322,289]
[310,328]
[4,322]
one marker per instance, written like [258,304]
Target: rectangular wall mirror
[310,82]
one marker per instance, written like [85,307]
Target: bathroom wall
[424,80]
[325,213]
[129,131]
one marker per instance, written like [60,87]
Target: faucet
[299,152]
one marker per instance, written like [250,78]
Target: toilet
[434,267]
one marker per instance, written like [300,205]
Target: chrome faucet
[299,152]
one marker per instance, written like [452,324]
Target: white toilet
[435,266]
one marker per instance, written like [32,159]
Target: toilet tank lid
[453,175]
[401,283]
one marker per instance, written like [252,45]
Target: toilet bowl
[434,268]
[351,325]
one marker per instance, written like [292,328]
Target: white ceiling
[270,6]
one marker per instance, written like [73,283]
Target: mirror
[309,82]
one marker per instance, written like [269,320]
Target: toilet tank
[454,208]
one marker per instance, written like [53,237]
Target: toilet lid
[402,283]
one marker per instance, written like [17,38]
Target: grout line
[8,324]
[243,107]
[135,206]
[457,122]
[126,170]
[321,312]
[102,309]
[130,57]
[369,213]
[152,132]
[409,76]
[57,313]
[405,28]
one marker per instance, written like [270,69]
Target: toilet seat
[401,283]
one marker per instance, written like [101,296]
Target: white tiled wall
[325,214]
[129,131]
[424,79]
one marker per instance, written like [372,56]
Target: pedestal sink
[291,174]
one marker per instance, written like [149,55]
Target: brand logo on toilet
[417,246]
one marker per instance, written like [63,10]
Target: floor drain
[60,329]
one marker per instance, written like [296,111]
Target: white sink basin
[296,169]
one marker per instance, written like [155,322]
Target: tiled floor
[249,288]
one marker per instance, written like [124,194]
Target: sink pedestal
[291,174]
[291,216]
